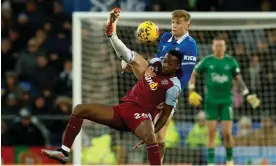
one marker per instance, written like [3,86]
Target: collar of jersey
[181,39]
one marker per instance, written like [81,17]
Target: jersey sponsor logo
[189,58]
[154,69]
[211,67]
[177,49]
[219,78]
[226,67]
[153,85]
[164,82]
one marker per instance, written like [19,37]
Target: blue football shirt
[187,46]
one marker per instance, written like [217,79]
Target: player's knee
[227,135]
[150,137]
[161,136]
[211,132]
[139,62]
[211,137]
[79,110]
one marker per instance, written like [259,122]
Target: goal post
[77,82]
[97,75]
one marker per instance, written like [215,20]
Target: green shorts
[218,110]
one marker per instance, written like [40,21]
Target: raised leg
[137,62]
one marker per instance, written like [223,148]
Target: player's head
[180,22]
[219,46]
[172,62]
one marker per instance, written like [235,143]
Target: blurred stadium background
[36,81]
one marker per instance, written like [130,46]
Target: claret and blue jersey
[187,46]
[144,92]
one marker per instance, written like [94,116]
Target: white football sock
[121,50]
[65,148]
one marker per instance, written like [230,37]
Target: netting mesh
[103,82]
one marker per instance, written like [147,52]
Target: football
[147,32]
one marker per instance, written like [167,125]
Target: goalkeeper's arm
[251,98]
[192,82]
[194,98]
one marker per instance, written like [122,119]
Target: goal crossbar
[194,15]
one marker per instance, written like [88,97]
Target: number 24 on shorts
[138,115]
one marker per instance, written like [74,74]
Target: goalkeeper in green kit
[219,70]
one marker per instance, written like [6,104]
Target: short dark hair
[177,54]
[219,38]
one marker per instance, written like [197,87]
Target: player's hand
[253,101]
[149,72]
[194,99]
[138,145]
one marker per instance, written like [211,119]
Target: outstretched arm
[194,98]
[166,112]
[199,68]
[192,81]
[251,98]
[241,85]
[170,102]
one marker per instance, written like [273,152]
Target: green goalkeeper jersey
[219,75]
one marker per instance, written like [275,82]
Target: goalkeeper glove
[194,98]
[253,100]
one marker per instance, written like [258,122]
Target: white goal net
[251,39]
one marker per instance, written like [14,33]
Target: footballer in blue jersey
[187,46]
[178,39]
